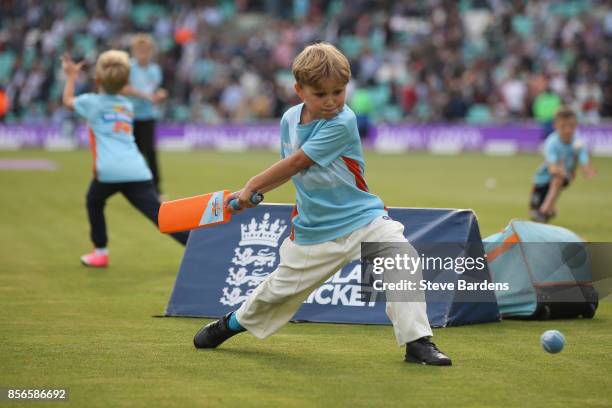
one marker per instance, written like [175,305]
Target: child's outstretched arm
[585,162]
[554,189]
[156,97]
[129,90]
[588,170]
[557,170]
[557,178]
[72,72]
[271,178]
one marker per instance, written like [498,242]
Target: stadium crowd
[478,61]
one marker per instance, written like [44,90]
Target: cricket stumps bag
[547,269]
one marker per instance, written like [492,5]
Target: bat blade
[193,212]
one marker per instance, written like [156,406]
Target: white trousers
[303,268]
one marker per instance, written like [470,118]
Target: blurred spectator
[229,60]
[514,92]
[362,106]
[545,106]
[4,104]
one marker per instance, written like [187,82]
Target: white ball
[490,183]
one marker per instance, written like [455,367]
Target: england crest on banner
[254,258]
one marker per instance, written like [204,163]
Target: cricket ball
[552,341]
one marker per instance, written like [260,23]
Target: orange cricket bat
[198,212]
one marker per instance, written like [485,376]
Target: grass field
[92,331]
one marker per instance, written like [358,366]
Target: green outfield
[93,332]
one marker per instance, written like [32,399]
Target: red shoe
[94,260]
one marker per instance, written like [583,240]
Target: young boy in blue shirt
[118,165]
[144,90]
[322,154]
[563,152]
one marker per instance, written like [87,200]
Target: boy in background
[321,152]
[118,165]
[563,152]
[144,91]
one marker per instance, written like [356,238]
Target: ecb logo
[254,258]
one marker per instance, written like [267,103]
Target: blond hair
[113,70]
[142,39]
[565,112]
[320,61]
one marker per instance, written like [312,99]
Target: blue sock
[234,325]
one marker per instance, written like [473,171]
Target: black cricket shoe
[424,351]
[215,333]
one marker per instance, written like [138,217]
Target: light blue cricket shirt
[556,151]
[332,197]
[116,156]
[145,79]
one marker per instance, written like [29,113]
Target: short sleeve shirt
[332,196]
[556,152]
[116,156]
[145,79]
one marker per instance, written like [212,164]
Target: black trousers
[144,133]
[141,194]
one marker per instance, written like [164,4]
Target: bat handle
[256,198]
